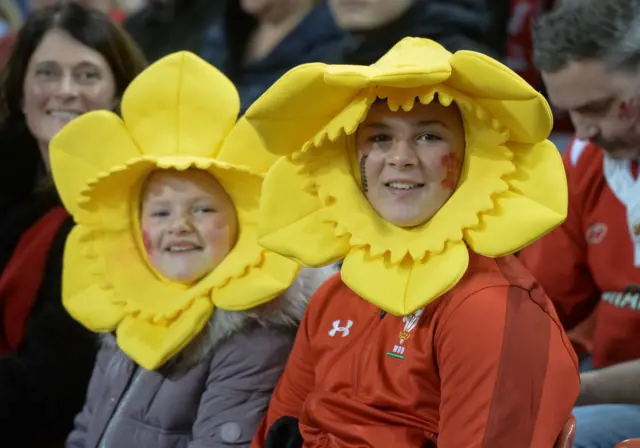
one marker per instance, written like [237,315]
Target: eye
[88,75]
[204,209]
[44,72]
[380,138]
[429,137]
[159,213]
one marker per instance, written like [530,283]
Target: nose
[180,225]
[585,129]
[68,87]
[402,155]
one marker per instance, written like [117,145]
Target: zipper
[365,355]
[117,414]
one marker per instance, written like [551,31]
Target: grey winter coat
[213,394]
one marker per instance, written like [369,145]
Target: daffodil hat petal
[511,191]
[179,114]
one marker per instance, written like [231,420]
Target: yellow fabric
[180,113]
[511,191]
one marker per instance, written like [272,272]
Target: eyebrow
[155,202]
[84,62]
[379,125]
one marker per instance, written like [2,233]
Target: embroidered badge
[596,232]
[410,322]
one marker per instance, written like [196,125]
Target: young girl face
[410,161]
[189,223]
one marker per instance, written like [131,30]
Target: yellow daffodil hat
[179,113]
[511,191]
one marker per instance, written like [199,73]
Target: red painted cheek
[146,240]
[628,109]
[451,163]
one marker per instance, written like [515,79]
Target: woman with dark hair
[66,60]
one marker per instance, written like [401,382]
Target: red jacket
[487,365]
[587,263]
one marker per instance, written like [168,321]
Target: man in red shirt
[589,55]
[423,171]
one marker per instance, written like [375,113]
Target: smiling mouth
[64,114]
[403,185]
[182,249]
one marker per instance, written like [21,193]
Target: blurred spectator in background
[257,41]
[166,26]
[589,55]
[109,7]
[67,60]
[374,26]
[12,13]
[510,35]
[11,17]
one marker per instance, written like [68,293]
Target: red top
[486,365]
[591,257]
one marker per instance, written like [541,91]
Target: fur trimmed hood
[285,312]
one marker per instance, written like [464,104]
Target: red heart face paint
[451,163]
[628,109]
[146,240]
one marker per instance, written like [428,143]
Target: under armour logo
[337,328]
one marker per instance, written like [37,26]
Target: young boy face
[410,161]
[189,223]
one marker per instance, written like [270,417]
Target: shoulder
[256,348]
[109,351]
[582,159]
[583,162]
[331,293]
[489,287]
[282,315]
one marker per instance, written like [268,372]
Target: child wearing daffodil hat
[424,172]
[164,254]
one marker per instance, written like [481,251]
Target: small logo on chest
[596,233]
[338,329]
[410,323]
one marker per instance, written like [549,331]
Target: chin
[405,221]
[186,278]
[623,153]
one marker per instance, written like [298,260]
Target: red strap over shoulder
[22,277]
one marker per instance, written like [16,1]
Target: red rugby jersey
[587,264]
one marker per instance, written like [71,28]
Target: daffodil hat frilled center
[178,114]
[512,188]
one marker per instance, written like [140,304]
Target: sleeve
[509,377]
[244,372]
[559,262]
[77,438]
[43,385]
[298,379]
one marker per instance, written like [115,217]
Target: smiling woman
[66,60]
[64,79]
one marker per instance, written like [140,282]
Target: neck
[272,28]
